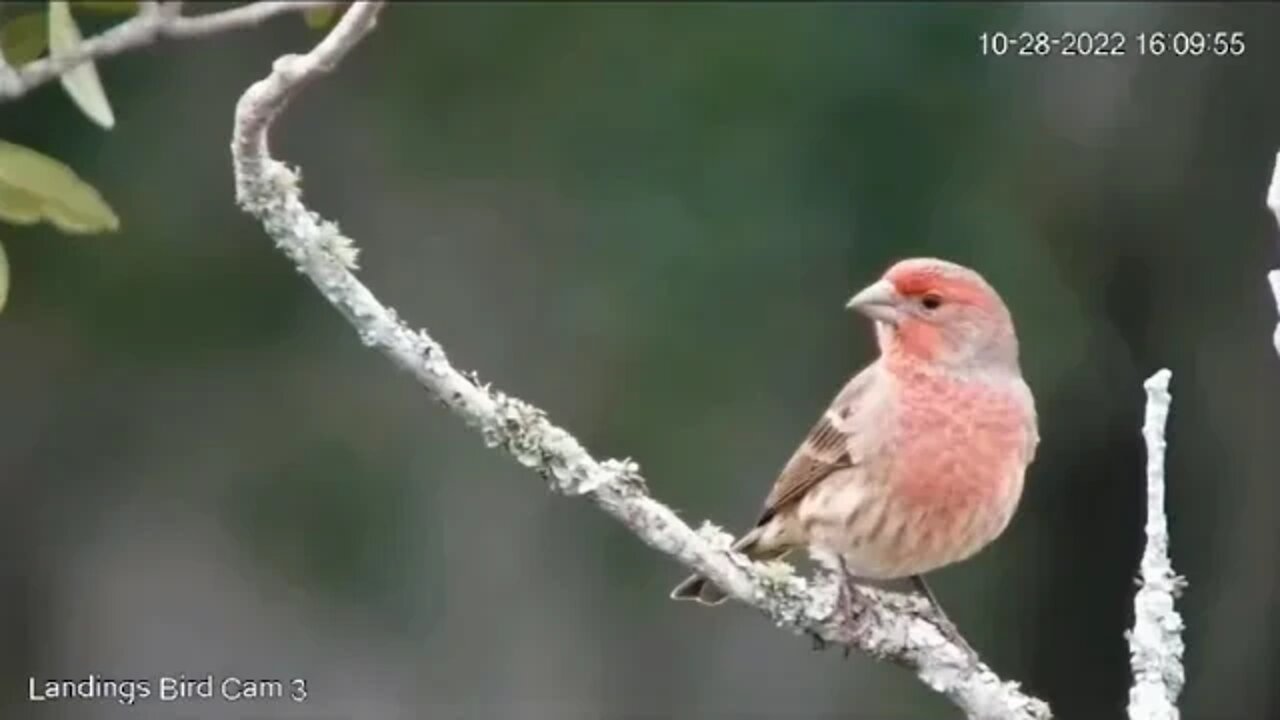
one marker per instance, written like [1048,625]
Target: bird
[919,461]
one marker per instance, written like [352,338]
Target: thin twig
[892,626]
[1155,643]
[153,22]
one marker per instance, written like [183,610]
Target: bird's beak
[878,301]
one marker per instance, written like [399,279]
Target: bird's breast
[937,477]
[962,450]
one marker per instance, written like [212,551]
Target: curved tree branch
[893,627]
[1155,643]
[154,21]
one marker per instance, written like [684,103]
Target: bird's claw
[951,632]
[850,605]
[818,643]
[849,599]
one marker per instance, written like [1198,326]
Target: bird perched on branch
[919,461]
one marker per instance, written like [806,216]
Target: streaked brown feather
[825,450]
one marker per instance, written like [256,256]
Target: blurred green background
[645,219]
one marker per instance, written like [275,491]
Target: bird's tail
[700,590]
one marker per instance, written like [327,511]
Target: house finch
[919,461]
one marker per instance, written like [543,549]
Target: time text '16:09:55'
[1103,43]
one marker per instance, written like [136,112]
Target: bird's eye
[931,301]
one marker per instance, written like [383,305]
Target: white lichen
[715,536]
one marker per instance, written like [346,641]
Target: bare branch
[894,627]
[1273,202]
[154,21]
[236,18]
[1274,277]
[1155,643]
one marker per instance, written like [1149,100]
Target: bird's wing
[831,445]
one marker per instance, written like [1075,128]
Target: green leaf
[318,18]
[108,7]
[36,187]
[24,38]
[80,82]
[19,206]
[4,277]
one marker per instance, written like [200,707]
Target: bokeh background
[645,219]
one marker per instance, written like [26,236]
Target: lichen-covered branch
[1273,202]
[1155,643]
[894,627]
[154,21]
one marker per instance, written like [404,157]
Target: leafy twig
[154,21]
